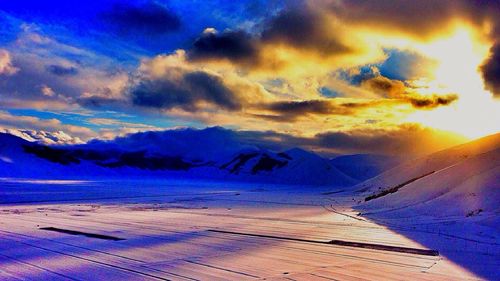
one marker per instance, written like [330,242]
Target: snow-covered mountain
[204,145]
[461,181]
[17,160]
[212,153]
[294,165]
[50,138]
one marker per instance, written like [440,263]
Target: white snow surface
[464,181]
[456,194]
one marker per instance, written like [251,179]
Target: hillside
[463,181]
[364,166]
[430,163]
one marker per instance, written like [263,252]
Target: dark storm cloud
[236,46]
[287,111]
[305,27]
[417,17]
[297,26]
[429,102]
[421,18]
[491,70]
[149,18]
[60,70]
[186,92]
[301,107]
[301,27]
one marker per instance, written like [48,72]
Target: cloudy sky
[337,76]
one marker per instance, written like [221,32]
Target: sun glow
[459,56]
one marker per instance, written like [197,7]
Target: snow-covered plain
[183,230]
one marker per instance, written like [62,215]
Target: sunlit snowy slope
[461,181]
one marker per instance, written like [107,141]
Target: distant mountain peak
[45,137]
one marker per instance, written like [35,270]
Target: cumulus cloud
[6,67]
[280,42]
[187,92]
[169,82]
[491,70]
[238,46]
[173,85]
[307,37]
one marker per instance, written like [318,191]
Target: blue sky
[90,24]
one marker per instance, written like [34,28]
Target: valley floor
[202,231]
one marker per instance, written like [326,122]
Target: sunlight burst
[459,57]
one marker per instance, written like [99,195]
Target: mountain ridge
[169,158]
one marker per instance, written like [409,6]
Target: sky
[396,76]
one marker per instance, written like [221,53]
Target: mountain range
[212,153]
